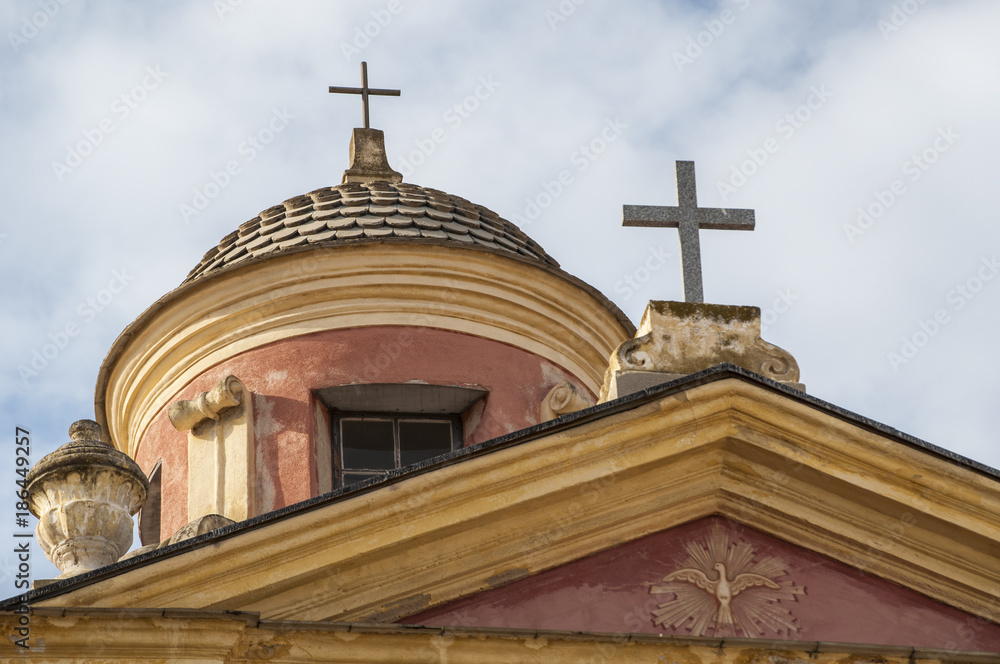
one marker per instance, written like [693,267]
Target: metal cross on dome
[364,91]
[688,218]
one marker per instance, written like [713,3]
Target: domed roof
[377,211]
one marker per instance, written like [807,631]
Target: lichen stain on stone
[442,642]
[718,312]
[472,417]
[400,609]
[249,650]
[265,428]
[757,656]
[679,397]
[507,576]
[680,655]
[276,378]
[865,659]
[536,643]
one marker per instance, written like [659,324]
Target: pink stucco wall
[282,375]
[611,592]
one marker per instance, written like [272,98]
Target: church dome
[370,299]
[379,211]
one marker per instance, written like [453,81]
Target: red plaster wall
[610,592]
[282,375]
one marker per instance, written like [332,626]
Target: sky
[863,134]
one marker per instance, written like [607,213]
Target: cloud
[560,82]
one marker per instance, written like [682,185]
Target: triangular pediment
[669,583]
[722,444]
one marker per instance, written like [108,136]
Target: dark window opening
[149,515]
[370,444]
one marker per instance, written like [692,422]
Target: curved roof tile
[377,211]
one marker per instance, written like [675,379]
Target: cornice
[538,309]
[730,446]
[142,636]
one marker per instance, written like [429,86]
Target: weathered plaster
[610,592]
[285,421]
[536,309]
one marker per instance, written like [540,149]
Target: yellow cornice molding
[540,310]
[148,636]
[731,447]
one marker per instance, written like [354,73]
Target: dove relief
[726,589]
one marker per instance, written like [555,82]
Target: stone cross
[688,218]
[364,91]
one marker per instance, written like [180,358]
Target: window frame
[337,416]
[150,514]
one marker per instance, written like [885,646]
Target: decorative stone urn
[84,495]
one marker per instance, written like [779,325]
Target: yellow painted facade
[730,446]
[202,323]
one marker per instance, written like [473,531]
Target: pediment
[668,583]
[722,444]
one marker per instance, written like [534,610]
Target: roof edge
[566,422]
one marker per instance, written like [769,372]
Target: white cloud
[119,208]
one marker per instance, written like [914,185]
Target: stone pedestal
[84,495]
[676,339]
[368,159]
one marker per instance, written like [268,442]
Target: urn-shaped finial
[84,495]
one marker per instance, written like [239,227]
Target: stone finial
[675,339]
[563,399]
[84,495]
[368,160]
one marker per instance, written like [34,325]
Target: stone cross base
[368,159]
[676,339]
